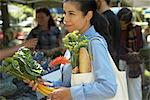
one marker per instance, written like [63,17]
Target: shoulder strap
[95,38]
[90,45]
[111,60]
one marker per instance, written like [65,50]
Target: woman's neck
[84,29]
[104,7]
[44,27]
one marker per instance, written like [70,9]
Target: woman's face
[124,25]
[74,18]
[42,18]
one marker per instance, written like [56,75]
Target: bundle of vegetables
[77,45]
[22,66]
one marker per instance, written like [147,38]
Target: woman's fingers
[60,94]
[31,83]
[49,97]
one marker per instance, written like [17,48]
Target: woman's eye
[71,14]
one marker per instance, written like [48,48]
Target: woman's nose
[66,19]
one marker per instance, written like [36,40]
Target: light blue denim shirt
[104,86]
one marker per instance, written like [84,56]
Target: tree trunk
[5,24]
[5,16]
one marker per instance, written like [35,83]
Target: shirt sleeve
[104,86]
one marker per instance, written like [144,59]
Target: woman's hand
[34,84]
[60,94]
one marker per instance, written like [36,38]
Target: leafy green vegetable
[22,65]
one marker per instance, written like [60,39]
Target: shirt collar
[91,32]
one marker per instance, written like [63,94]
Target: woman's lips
[68,26]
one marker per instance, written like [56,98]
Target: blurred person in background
[130,44]
[48,34]
[114,27]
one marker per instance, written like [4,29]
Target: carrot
[84,61]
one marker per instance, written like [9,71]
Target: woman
[83,16]
[46,31]
[131,43]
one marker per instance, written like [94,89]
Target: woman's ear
[89,15]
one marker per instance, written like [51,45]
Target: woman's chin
[70,30]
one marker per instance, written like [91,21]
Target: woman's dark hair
[99,21]
[125,14]
[47,12]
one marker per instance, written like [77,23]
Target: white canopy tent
[138,3]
